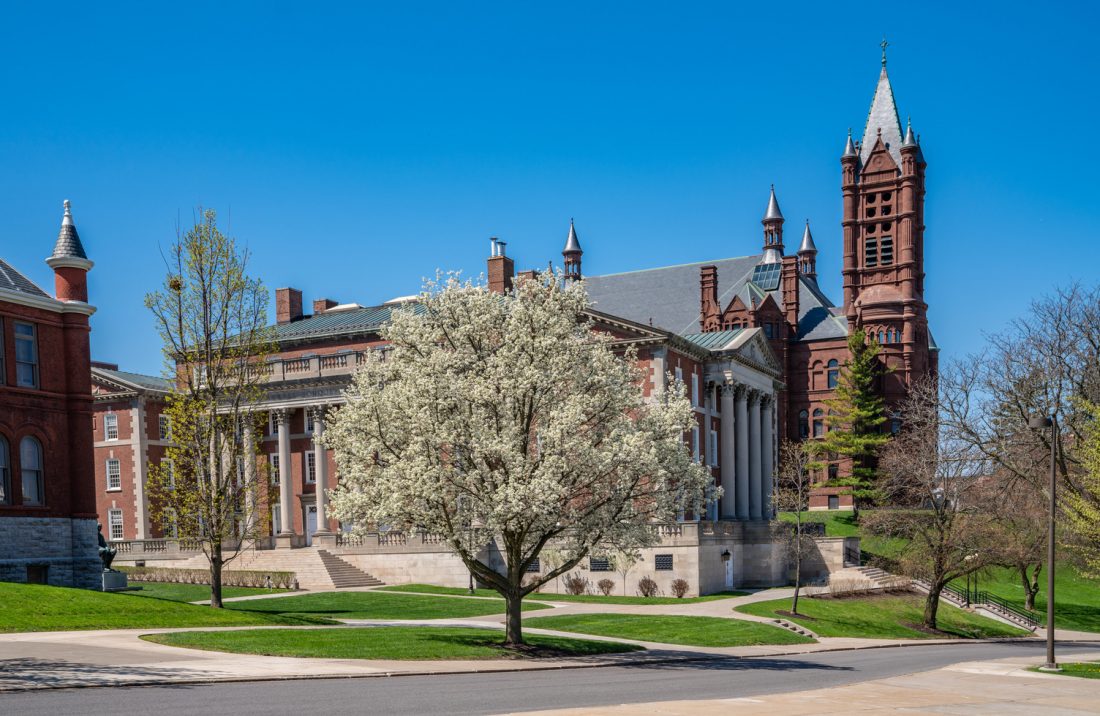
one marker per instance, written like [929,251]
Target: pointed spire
[850,147]
[883,120]
[572,245]
[910,140]
[68,244]
[773,211]
[807,240]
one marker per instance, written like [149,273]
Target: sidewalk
[990,687]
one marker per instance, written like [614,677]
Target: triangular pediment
[879,160]
[752,347]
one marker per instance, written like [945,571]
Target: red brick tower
[883,220]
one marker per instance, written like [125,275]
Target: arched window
[803,423]
[828,425]
[833,374]
[30,462]
[881,337]
[819,423]
[5,473]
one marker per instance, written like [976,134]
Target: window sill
[113,489]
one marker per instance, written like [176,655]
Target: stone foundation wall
[442,568]
[66,547]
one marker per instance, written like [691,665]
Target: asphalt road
[518,691]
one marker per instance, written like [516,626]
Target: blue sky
[355,148]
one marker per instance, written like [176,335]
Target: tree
[1083,505]
[932,480]
[212,319]
[792,494]
[855,419]
[1019,542]
[622,561]
[507,419]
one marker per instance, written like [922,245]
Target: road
[518,691]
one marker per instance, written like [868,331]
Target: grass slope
[379,643]
[888,617]
[32,607]
[692,631]
[1076,597]
[838,523]
[375,605]
[1082,669]
[547,597]
[194,592]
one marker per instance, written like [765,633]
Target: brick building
[131,433]
[47,489]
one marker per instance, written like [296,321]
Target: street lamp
[1041,422]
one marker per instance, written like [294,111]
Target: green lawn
[194,592]
[32,607]
[547,597]
[1083,669]
[376,605]
[380,643]
[693,631]
[838,523]
[1077,598]
[888,617]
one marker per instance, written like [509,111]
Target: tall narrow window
[712,449]
[114,519]
[114,475]
[870,252]
[274,468]
[171,524]
[695,443]
[168,472]
[164,427]
[695,390]
[833,374]
[3,371]
[26,356]
[886,250]
[311,467]
[110,426]
[309,421]
[819,423]
[5,473]
[30,463]
[803,423]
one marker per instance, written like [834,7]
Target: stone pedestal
[284,540]
[114,581]
[324,540]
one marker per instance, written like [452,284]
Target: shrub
[647,587]
[606,585]
[238,578]
[679,588]
[575,584]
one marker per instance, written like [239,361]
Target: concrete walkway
[993,687]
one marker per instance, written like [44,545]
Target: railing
[388,539]
[298,365]
[155,546]
[340,360]
[346,539]
[990,602]
[852,556]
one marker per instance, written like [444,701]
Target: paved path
[729,685]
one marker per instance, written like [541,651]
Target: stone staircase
[344,574]
[314,568]
[873,577]
[796,628]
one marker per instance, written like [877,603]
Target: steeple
[807,254]
[850,147]
[572,255]
[773,231]
[69,262]
[910,140]
[882,119]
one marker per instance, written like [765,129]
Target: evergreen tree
[855,418]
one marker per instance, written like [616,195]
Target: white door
[729,573]
[311,523]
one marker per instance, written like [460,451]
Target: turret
[69,262]
[807,254]
[572,255]
[773,231]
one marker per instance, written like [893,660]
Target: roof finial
[68,217]
[884,44]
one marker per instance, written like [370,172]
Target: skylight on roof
[766,276]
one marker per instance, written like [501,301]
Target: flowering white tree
[507,419]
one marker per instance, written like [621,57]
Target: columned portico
[755,480]
[285,538]
[767,452]
[322,537]
[741,425]
[726,434]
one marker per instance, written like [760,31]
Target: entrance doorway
[311,523]
[729,573]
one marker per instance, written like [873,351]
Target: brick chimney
[288,305]
[320,305]
[788,284]
[709,310]
[501,269]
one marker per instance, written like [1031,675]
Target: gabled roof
[12,280]
[136,382]
[715,340]
[669,296]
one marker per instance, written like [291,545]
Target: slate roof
[669,297]
[883,116]
[148,382]
[713,341]
[68,240]
[336,323]
[12,280]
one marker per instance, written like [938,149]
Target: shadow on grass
[31,674]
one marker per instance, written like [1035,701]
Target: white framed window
[114,475]
[274,457]
[168,470]
[695,390]
[679,373]
[5,473]
[164,427]
[309,421]
[114,522]
[695,444]
[272,428]
[110,426]
[3,372]
[30,462]
[712,450]
[171,524]
[311,467]
[26,356]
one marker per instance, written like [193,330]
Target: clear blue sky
[357,147]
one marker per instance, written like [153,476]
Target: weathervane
[884,44]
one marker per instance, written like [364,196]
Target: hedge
[238,578]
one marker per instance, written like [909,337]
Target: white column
[282,419]
[728,465]
[742,427]
[755,479]
[320,460]
[140,452]
[767,452]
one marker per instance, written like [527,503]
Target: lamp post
[1042,422]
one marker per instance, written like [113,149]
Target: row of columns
[746,435]
[286,490]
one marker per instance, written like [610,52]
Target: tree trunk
[797,578]
[1031,586]
[932,605]
[513,630]
[216,578]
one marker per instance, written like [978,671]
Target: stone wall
[66,547]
